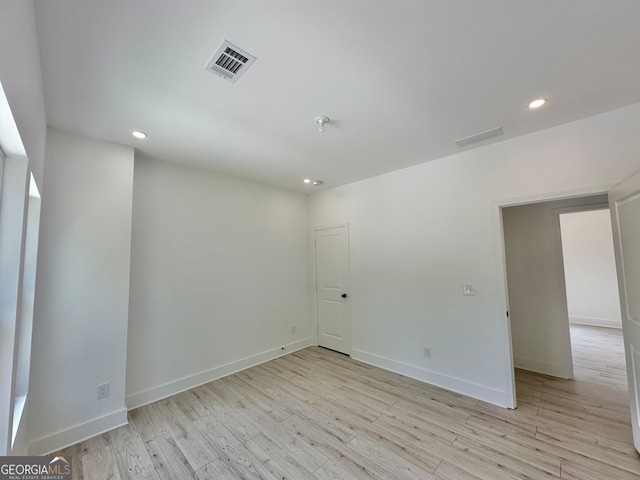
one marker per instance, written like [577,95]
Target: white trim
[78,433]
[313,284]
[458,385]
[503,301]
[19,435]
[546,368]
[596,322]
[19,405]
[154,394]
[558,195]
[328,227]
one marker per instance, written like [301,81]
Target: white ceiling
[400,79]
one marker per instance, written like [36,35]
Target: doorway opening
[535,274]
[624,199]
[563,304]
[592,298]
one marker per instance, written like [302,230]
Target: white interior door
[624,201]
[332,288]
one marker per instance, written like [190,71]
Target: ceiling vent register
[479,137]
[229,62]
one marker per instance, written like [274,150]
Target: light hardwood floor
[318,415]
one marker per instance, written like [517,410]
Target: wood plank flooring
[319,415]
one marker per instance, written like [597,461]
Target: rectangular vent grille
[479,137]
[229,61]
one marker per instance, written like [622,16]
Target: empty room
[319,240]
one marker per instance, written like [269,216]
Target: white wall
[418,235]
[590,269]
[21,78]
[219,274]
[82,291]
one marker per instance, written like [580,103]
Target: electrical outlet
[427,352]
[293,329]
[103,390]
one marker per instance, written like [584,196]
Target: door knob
[344,295]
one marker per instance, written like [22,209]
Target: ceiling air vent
[229,61]
[479,137]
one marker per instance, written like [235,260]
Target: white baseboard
[151,395]
[464,387]
[596,322]
[78,433]
[540,366]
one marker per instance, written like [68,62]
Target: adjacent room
[320,240]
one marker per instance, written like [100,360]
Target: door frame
[313,286]
[501,261]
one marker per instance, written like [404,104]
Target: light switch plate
[469,290]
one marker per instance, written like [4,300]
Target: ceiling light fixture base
[321,121]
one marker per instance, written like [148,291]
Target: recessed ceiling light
[139,134]
[537,103]
[307,180]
